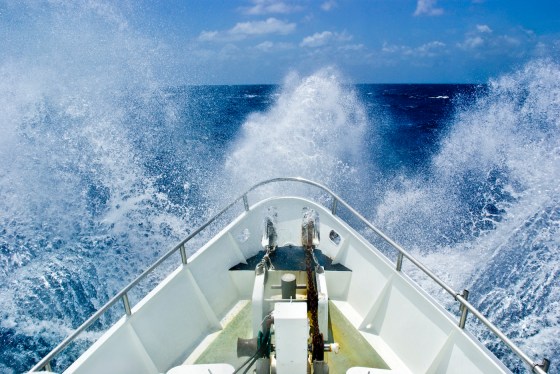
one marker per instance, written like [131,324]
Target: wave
[102,167]
[484,215]
[315,129]
[80,213]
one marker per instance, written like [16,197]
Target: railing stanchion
[545,365]
[183,254]
[126,303]
[48,367]
[334,205]
[464,310]
[399,261]
[246,202]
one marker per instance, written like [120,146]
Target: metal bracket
[464,310]
[545,365]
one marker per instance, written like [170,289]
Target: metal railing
[465,306]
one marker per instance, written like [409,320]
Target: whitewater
[104,166]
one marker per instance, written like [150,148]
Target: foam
[314,129]
[482,215]
[79,214]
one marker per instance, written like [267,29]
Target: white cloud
[430,49]
[485,29]
[472,42]
[317,39]
[207,36]
[328,5]
[229,52]
[262,7]
[320,39]
[352,47]
[265,46]
[428,8]
[476,38]
[217,36]
[388,48]
[483,42]
[270,26]
[509,41]
[242,30]
[269,46]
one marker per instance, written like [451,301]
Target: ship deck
[220,347]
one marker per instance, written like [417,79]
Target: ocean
[106,163]
[97,184]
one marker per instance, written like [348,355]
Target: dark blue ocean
[96,184]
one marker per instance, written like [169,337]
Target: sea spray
[519,285]
[80,215]
[315,129]
[101,169]
[484,216]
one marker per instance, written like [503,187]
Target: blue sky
[378,41]
[375,41]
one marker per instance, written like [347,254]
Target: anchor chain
[317,341]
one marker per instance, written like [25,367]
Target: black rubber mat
[290,258]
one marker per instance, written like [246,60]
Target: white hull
[187,318]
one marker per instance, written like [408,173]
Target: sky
[368,41]
[375,41]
